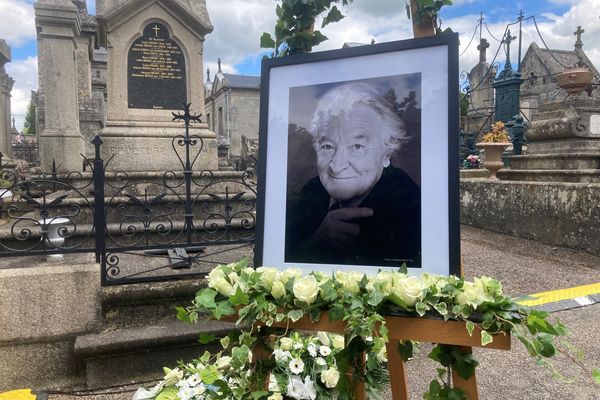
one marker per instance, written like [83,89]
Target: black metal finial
[187,115]
[207,75]
[507,40]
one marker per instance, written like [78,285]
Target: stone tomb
[564,144]
[154,66]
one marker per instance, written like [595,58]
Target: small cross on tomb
[483,45]
[578,32]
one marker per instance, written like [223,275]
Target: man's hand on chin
[339,228]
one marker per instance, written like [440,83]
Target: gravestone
[6,85]
[154,56]
[481,92]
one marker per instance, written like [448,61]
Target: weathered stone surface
[58,24]
[564,214]
[6,85]
[574,117]
[41,365]
[48,301]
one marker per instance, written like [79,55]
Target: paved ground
[524,267]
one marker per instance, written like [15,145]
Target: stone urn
[493,156]
[575,80]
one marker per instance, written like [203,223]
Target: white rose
[473,294]
[223,362]
[330,377]
[337,341]
[216,273]
[233,278]
[278,290]
[323,338]
[273,386]
[306,289]
[320,361]
[222,286]
[290,273]
[349,280]
[383,280]
[312,349]
[267,276]
[286,343]
[408,289]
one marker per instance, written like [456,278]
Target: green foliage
[464,104]
[294,30]
[29,126]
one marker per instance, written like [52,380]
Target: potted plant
[493,143]
[424,16]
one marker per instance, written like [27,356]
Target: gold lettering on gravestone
[155,59]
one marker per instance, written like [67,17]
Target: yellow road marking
[562,294]
[21,394]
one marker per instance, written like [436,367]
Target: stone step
[135,354]
[566,161]
[545,175]
[125,306]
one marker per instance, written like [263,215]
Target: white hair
[342,98]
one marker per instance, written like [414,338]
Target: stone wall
[243,117]
[562,214]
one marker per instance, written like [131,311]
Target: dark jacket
[390,237]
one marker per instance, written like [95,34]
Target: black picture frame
[436,58]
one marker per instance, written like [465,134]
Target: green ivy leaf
[206,338]
[223,308]
[168,394]
[318,38]
[486,338]
[259,394]
[334,15]
[206,298]
[336,313]
[295,315]
[266,41]
[225,342]
[421,308]
[183,315]
[239,297]
[470,326]
[375,298]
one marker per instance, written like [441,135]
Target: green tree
[29,127]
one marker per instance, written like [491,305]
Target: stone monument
[481,92]
[154,65]
[58,25]
[6,85]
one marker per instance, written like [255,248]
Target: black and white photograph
[353,173]
[355,153]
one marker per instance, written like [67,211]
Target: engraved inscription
[156,70]
[595,124]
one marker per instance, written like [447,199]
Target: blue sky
[239,24]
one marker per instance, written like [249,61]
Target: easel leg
[397,372]
[469,385]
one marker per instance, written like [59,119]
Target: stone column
[6,85]
[58,24]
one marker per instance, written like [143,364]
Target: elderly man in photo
[359,210]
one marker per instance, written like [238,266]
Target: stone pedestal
[564,144]
[154,66]
[58,24]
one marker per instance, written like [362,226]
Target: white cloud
[17,23]
[24,72]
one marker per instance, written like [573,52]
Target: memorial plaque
[156,71]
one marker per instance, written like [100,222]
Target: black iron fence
[140,226]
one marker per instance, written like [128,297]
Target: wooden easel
[407,328]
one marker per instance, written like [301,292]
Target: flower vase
[493,157]
[422,26]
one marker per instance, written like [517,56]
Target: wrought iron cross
[508,39]
[187,116]
[578,33]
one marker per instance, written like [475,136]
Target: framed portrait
[358,159]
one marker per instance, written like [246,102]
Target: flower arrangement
[300,370]
[498,134]
[472,162]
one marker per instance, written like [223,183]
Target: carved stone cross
[578,33]
[483,45]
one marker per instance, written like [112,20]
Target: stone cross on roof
[483,45]
[578,42]
[219,62]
